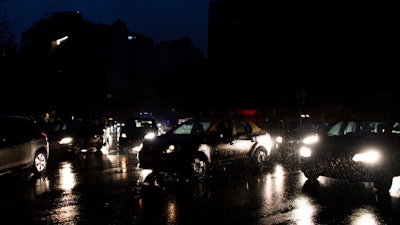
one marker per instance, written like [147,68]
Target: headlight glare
[66,140]
[371,156]
[170,149]
[150,135]
[305,151]
[310,139]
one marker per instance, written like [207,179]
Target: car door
[14,146]
[7,152]
[224,146]
[243,139]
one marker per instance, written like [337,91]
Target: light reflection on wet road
[104,190]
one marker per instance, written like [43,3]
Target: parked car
[22,145]
[197,146]
[291,140]
[366,150]
[134,131]
[71,137]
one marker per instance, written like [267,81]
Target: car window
[242,127]
[17,130]
[140,123]
[361,127]
[350,128]
[192,127]
[396,128]
[223,129]
[305,127]
[336,129]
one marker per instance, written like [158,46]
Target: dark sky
[160,20]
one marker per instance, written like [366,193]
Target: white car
[365,149]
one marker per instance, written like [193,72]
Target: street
[107,189]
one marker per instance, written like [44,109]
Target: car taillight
[44,135]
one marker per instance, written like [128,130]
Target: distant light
[130,37]
[305,116]
[59,41]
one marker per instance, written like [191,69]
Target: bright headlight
[305,151]
[66,140]
[137,148]
[170,149]
[150,135]
[370,156]
[310,139]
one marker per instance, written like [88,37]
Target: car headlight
[310,139]
[369,156]
[66,140]
[305,151]
[171,149]
[138,148]
[150,135]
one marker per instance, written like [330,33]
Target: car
[291,140]
[72,137]
[134,131]
[194,148]
[23,145]
[362,149]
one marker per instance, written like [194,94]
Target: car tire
[198,167]
[98,149]
[39,163]
[259,160]
[76,148]
[311,173]
[383,183]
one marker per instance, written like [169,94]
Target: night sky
[157,19]
[335,48]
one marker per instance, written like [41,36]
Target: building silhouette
[90,66]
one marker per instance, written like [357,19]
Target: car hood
[161,142]
[350,144]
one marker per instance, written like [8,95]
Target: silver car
[199,145]
[22,145]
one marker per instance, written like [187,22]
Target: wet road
[106,189]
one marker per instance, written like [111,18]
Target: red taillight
[44,134]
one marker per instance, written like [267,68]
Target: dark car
[366,150]
[197,146]
[292,139]
[22,145]
[134,131]
[71,137]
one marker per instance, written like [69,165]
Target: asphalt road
[108,189]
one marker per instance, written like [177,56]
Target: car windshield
[307,127]
[192,127]
[362,127]
[140,123]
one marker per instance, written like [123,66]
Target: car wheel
[259,160]
[76,148]
[198,168]
[98,149]
[383,183]
[39,163]
[311,173]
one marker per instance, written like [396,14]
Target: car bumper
[344,168]
[161,162]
